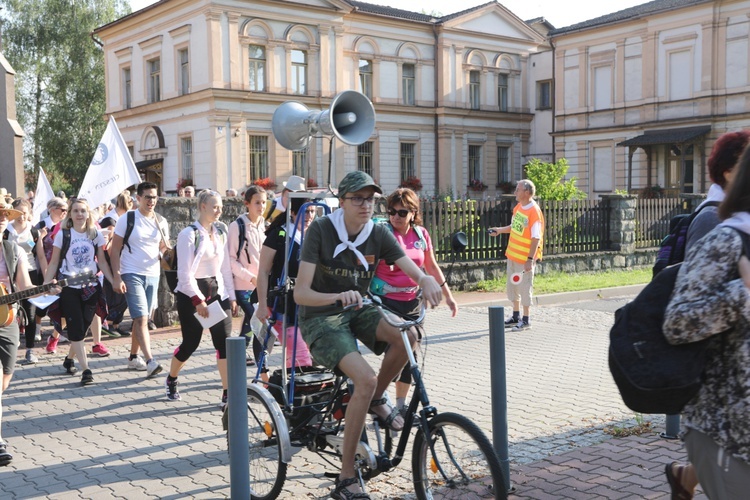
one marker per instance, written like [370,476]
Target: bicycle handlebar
[384,312]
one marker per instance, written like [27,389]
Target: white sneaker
[137,364]
[153,368]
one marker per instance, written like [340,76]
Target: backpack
[652,375]
[243,240]
[672,247]
[171,274]
[131,224]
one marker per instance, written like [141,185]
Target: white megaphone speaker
[350,118]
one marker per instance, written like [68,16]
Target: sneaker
[30,357]
[122,331]
[511,321]
[100,350]
[151,325]
[70,366]
[87,377]
[153,368]
[249,357]
[224,398]
[63,339]
[136,364]
[38,336]
[522,325]
[5,457]
[172,393]
[51,345]
[110,333]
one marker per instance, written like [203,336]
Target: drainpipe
[230,135]
[438,64]
[554,101]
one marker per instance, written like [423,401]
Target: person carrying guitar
[14,276]
[75,247]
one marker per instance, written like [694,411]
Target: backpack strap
[64,248]
[34,234]
[420,235]
[11,261]
[243,240]
[129,230]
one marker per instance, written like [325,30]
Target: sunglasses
[401,213]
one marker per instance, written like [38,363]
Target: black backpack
[652,375]
[672,247]
[130,224]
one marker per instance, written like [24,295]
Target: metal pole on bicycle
[499,390]
[239,454]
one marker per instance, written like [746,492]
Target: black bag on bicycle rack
[312,385]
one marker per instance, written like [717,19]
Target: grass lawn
[557,282]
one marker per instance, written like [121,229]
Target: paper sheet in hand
[215,314]
[259,329]
[44,301]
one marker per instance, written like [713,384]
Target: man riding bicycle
[339,256]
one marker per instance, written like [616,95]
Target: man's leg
[394,360]
[142,337]
[365,381]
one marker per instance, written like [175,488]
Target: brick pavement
[120,438]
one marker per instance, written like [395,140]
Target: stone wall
[180,212]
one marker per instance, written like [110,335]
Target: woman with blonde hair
[123,203]
[203,273]
[78,248]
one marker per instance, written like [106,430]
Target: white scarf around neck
[337,218]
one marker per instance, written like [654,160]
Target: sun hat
[354,181]
[10,212]
[295,184]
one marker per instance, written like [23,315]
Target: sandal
[674,479]
[388,422]
[341,493]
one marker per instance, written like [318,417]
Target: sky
[558,12]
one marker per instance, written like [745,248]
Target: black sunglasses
[401,213]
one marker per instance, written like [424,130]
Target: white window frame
[258,159]
[540,85]
[409,85]
[475,89]
[154,80]
[260,65]
[366,77]
[407,160]
[184,71]
[187,167]
[475,163]
[299,69]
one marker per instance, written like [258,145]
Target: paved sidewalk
[120,438]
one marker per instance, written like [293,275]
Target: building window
[154,80]
[299,162]
[184,80]
[364,158]
[257,64]
[544,95]
[503,164]
[407,83]
[131,151]
[408,161]
[258,157]
[127,93]
[186,153]
[502,92]
[474,89]
[475,163]
[602,87]
[299,72]
[365,77]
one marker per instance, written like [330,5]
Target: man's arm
[496,231]
[114,257]
[430,287]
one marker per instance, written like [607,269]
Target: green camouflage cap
[354,181]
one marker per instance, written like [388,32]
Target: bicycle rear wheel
[464,464]
[267,470]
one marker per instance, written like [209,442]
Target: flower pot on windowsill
[477,186]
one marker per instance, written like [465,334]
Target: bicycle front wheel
[267,470]
[464,464]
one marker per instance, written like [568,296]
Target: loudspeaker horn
[350,118]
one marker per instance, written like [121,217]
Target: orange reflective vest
[519,244]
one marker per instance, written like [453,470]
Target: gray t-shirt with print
[344,272]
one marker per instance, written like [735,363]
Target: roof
[645,9]
[383,10]
[667,136]
[465,11]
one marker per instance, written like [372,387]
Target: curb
[563,297]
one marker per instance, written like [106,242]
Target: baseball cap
[354,181]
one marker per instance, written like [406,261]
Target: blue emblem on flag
[101,154]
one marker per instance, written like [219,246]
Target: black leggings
[78,312]
[409,309]
[192,330]
[29,310]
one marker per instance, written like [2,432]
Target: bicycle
[451,456]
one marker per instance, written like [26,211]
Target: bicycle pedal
[364,452]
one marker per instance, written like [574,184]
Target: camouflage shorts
[332,337]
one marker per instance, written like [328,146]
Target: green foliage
[60,90]
[549,179]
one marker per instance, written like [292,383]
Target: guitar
[8,315]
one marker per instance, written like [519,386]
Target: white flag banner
[43,194]
[111,171]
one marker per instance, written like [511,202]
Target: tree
[60,90]
[549,179]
